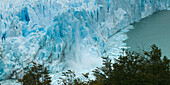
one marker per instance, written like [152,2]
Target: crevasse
[65,34]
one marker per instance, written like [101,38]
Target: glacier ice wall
[64,34]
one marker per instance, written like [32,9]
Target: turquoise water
[154,29]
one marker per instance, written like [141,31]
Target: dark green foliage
[140,69]
[36,75]
[104,74]
[46,77]
[69,78]
[147,68]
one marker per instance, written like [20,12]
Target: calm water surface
[154,29]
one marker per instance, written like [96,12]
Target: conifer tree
[46,77]
[36,75]
[144,68]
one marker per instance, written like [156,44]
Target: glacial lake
[154,29]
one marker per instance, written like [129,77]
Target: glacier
[66,34]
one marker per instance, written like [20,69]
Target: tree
[104,74]
[145,68]
[133,68]
[157,68]
[46,77]
[36,75]
[69,78]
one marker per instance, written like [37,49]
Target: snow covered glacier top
[63,34]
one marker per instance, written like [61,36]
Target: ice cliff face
[65,34]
